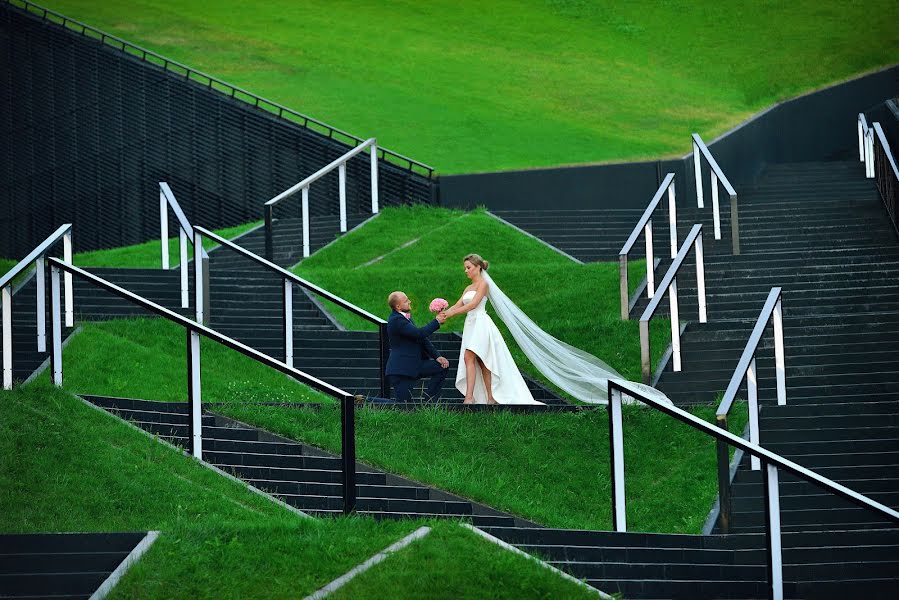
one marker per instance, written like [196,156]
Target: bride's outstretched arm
[461,309]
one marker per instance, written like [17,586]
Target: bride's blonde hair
[477,261]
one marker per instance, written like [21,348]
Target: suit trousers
[402,386]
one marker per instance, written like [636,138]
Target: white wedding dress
[579,373]
[481,336]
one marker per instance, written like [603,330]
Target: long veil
[580,374]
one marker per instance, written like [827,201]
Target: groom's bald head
[398,301]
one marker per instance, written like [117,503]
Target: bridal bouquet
[438,305]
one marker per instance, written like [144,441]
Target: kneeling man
[412,355]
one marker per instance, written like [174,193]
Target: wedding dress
[582,375]
[481,336]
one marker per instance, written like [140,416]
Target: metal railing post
[164,228]
[384,353]
[341,177]
[306,221]
[623,287]
[644,352]
[182,250]
[772,530]
[67,279]
[348,452]
[199,288]
[41,281]
[269,243]
[675,326]
[752,393]
[55,327]
[870,163]
[734,226]
[779,354]
[194,395]
[700,279]
[374,177]
[288,322]
[7,336]
[724,503]
[672,219]
[616,457]
[862,148]
[650,261]
[697,171]
[716,212]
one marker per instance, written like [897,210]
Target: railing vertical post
[55,327]
[164,228]
[7,336]
[199,299]
[67,279]
[779,352]
[870,163]
[374,178]
[697,171]
[716,211]
[675,326]
[341,177]
[623,287]
[384,353]
[862,149]
[288,322]
[182,249]
[700,279]
[772,530]
[650,261]
[269,244]
[306,221]
[348,452]
[723,479]
[194,395]
[616,456]
[752,393]
[41,281]
[672,219]
[734,226]
[644,352]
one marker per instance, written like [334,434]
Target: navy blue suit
[412,357]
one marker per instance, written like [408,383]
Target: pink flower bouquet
[438,305]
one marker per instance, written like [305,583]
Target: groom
[412,355]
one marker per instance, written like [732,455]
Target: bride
[487,372]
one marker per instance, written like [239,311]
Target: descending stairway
[303,476]
[60,565]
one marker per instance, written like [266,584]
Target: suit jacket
[409,345]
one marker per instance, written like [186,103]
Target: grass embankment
[473,86]
[576,303]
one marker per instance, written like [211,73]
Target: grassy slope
[576,303]
[476,86]
[427,570]
[66,467]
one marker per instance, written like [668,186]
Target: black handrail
[767,458]
[218,85]
[294,278]
[886,175]
[346,399]
[645,219]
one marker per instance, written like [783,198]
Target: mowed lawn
[478,86]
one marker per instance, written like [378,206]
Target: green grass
[146,358]
[428,568]
[549,468]
[148,255]
[576,303]
[66,467]
[473,86]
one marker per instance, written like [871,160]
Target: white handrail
[38,257]
[700,150]
[866,145]
[303,186]
[645,225]
[669,284]
[185,234]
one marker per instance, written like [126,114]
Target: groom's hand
[443,362]
[441,318]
